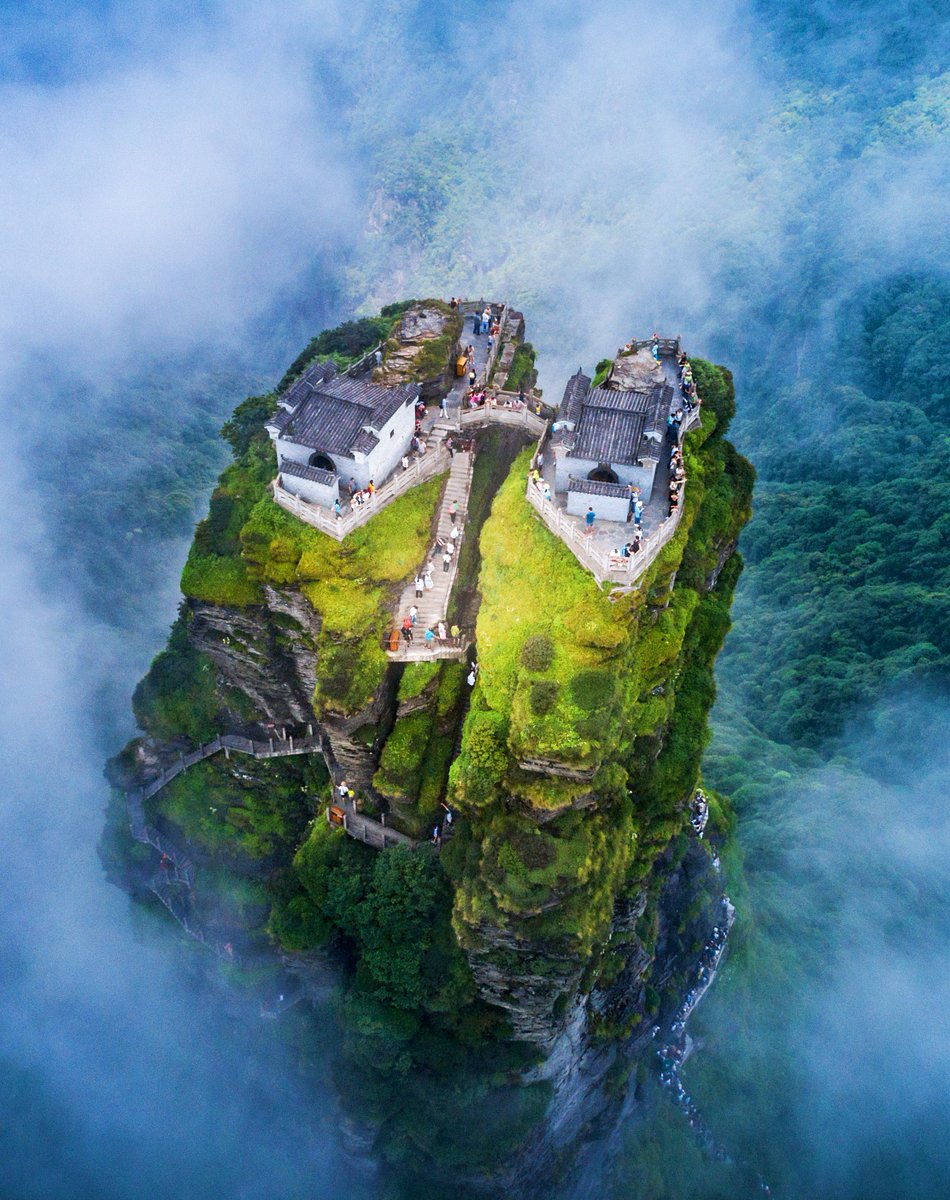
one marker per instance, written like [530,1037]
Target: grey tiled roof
[326,423]
[577,388]
[334,416]
[366,442]
[279,420]
[612,424]
[301,471]
[382,401]
[595,487]
[311,379]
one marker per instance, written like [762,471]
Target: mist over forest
[188,195]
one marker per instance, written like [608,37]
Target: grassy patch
[350,584]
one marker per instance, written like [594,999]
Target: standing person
[337,509]
[453,303]
[638,512]
[589,519]
[454,535]
[413,614]
[441,629]
[378,355]
[405,462]
[446,560]
[419,585]
[371,488]
[407,630]
[454,510]
[472,377]
[427,581]
[443,410]
[429,638]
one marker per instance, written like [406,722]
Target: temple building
[331,427]
[606,439]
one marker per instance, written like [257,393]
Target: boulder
[635,372]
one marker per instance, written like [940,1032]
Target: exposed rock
[635,372]
[726,551]
[512,975]
[419,325]
[581,1061]
[268,653]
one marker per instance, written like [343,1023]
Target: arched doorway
[324,463]
[603,474]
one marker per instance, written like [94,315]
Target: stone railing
[418,651]
[364,364]
[668,346]
[420,470]
[604,566]
[489,414]
[485,374]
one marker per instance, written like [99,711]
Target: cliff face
[563,914]
[560,878]
[266,652]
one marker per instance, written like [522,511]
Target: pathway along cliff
[548,738]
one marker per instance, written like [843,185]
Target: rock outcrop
[268,653]
[635,372]
[419,349]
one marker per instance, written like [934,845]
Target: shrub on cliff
[537,654]
[544,694]
[592,689]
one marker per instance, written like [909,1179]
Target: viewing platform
[599,548]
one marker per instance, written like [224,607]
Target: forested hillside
[847,594]
[828,732]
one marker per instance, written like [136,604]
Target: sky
[177,176]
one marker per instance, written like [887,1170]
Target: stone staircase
[434,603]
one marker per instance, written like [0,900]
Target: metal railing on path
[272,748]
[369,831]
[668,346]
